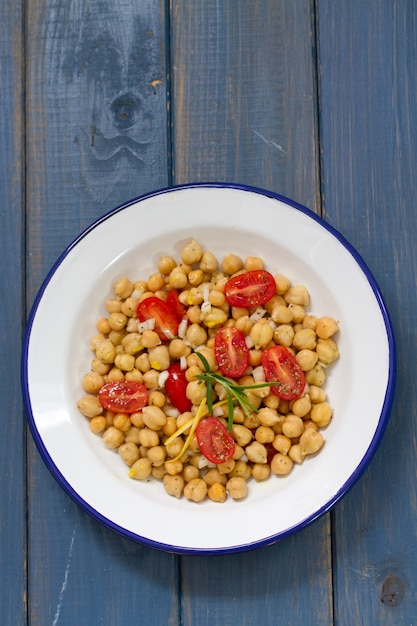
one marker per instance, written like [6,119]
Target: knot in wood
[125,110]
[392,591]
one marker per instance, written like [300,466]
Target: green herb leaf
[234,392]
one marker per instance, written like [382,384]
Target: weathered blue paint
[315,100]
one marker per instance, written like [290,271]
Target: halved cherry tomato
[281,366]
[123,396]
[214,440]
[176,388]
[249,289]
[177,308]
[231,352]
[166,324]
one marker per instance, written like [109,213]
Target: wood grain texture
[368,69]
[244,109]
[97,136]
[12,453]
[244,95]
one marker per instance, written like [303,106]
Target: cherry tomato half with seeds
[214,440]
[166,324]
[231,352]
[281,366]
[123,396]
[174,304]
[176,388]
[249,289]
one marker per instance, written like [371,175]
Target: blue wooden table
[102,101]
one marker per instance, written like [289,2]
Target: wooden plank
[368,61]
[244,111]
[97,136]
[12,440]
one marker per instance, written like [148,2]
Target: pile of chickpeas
[271,439]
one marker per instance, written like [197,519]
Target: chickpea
[284,335]
[117,321]
[190,472]
[129,453]
[113,437]
[311,441]
[196,391]
[241,434]
[122,421]
[178,348]
[155,282]
[166,264]
[256,452]
[157,455]
[282,283]
[317,394]
[150,339]
[217,492]
[158,472]
[302,406]
[326,327]
[296,454]
[174,485]
[271,401]
[178,278]
[196,335]
[306,359]
[305,339]
[268,417]
[159,358]
[151,379]
[92,382]
[89,406]
[99,367]
[215,317]
[154,417]
[261,333]
[264,434]
[129,308]
[237,488]
[134,375]
[260,471]
[194,314]
[132,343]
[293,426]
[281,464]
[226,467]
[316,376]
[282,444]
[174,448]
[241,469]
[327,351]
[103,326]
[321,414]
[106,351]
[148,438]
[173,467]
[213,476]
[253,263]
[281,314]
[297,294]
[132,435]
[208,262]
[137,419]
[141,469]
[113,305]
[231,264]
[125,362]
[123,288]
[157,398]
[192,252]
[196,490]
[98,424]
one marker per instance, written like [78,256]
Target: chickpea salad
[209,374]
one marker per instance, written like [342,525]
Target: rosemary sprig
[233,391]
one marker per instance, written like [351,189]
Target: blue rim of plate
[344,489]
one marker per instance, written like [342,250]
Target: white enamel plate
[128,242]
